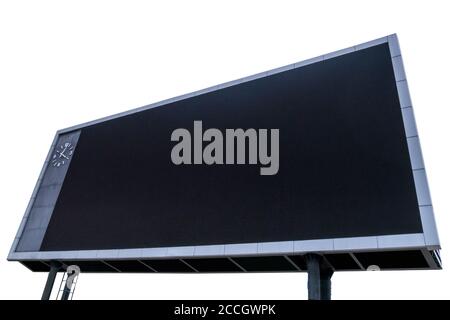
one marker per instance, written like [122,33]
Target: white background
[64,63]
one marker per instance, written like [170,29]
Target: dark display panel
[344,166]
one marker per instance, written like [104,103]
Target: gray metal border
[33,197]
[41,205]
[428,240]
[415,151]
[336,245]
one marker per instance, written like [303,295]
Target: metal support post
[319,277]
[54,268]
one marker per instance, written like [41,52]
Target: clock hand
[64,150]
[61,154]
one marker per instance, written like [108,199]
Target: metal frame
[426,241]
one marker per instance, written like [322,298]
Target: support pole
[54,268]
[72,272]
[66,293]
[325,283]
[313,266]
[319,277]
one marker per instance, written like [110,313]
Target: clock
[62,154]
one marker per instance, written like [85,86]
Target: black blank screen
[344,166]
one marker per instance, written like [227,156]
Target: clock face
[62,154]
